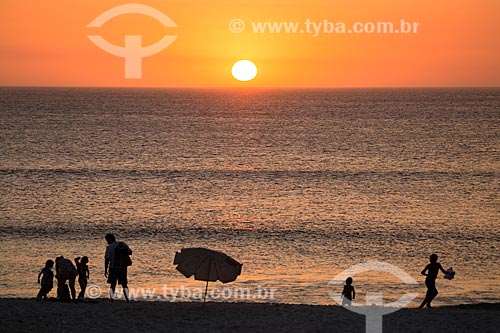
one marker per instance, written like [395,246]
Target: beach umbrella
[207,265]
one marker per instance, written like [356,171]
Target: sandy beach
[28,315]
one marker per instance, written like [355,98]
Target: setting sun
[244,70]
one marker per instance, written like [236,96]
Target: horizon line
[251,87]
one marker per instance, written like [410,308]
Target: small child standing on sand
[83,275]
[47,282]
[431,271]
[348,294]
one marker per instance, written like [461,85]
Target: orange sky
[44,43]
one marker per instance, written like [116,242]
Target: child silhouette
[83,274]
[47,281]
[348,294]
[431,271]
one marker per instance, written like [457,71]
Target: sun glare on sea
[244,70]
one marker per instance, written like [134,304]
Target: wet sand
[28,315]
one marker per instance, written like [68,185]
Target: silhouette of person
[65,271]
[348,294]
[116,266]
[83,274]
[431,271]
[47,282]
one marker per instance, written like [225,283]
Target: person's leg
[72,280]
[40,294]
[84,288]
[426,299]
[112,280]
[122,280]
[427,295]
[125,292]
[112,289]
[433,295]
[81,282]
[60,287]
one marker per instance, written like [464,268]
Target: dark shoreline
[28,315]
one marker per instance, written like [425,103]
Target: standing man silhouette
[116,261]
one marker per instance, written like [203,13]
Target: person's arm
[442,269]
[353,293]
[88,273]
[39,276]
[106,264]
[423,272]
[107,260]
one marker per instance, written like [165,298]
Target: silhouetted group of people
[66,271]
[116,261]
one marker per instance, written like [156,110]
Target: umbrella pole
[208,278]
[205,296]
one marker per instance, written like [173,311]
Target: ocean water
[298,185]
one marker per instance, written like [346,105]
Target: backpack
[122,256]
